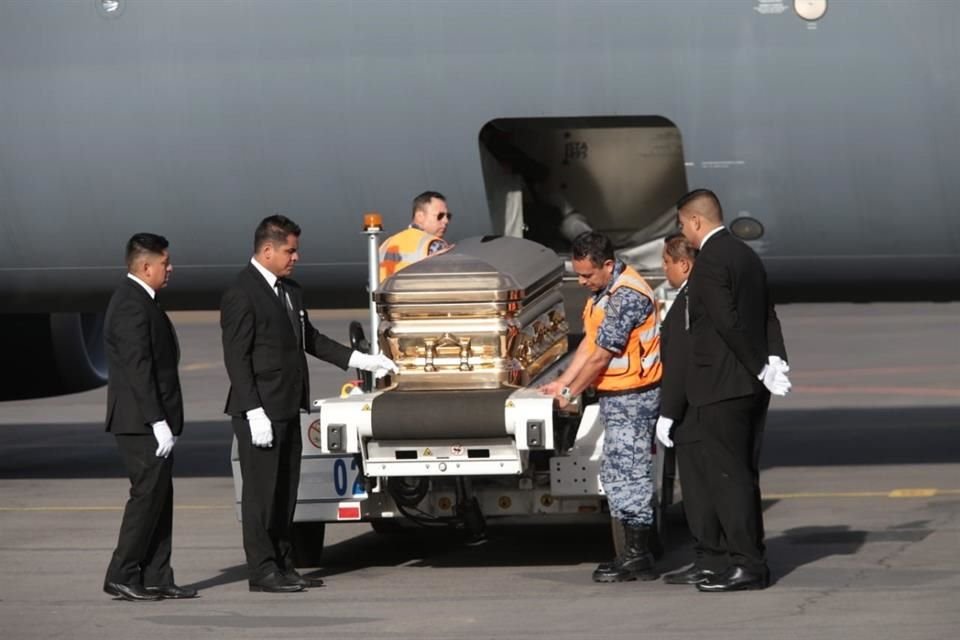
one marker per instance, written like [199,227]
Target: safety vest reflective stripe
[403,249]
[650,360]
[639,364]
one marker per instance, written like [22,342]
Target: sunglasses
[444,214]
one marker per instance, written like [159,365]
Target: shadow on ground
[823,437]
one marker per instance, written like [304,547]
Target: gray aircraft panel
[196,119]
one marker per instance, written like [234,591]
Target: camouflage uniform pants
[627,468]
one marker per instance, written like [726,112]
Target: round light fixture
[109,8]
[746,228]
[810,9]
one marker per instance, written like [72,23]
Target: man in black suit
[145,414]
[735,360]
[679,257]
[265,334]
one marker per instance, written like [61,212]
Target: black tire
[308,543]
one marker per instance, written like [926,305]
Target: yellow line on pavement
[896,493]
[838,494]
[913,493]
[182,507]
[199,366]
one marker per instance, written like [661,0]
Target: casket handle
[430,352]
[465,354]
[558,323]
[431,345]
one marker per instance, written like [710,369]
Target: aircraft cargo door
[550,179]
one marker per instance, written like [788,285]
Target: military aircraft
[829,130]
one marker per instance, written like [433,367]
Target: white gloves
[261,431]
[664,425]
[774,376]
[165,438]
[777,360]
[379,364]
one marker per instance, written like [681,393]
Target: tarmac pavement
[861,481]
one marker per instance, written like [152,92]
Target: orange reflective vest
[638,367]
[401,250]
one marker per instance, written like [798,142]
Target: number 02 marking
[340,477]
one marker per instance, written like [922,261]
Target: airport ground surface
[861,478]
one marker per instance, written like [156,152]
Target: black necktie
[686,308]
[287,303]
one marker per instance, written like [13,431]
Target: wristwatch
[565,394]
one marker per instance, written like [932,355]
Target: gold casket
[487,314]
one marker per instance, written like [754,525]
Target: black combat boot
[636,561]
[655,546]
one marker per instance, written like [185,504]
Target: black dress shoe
[691,575]
[173,592]
[293,576]
[737,579]
[132,592]
[275,583]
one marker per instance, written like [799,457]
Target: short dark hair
[701,194]
[595,246]
[142,244]
[274,229]
[679,248]
[421,201]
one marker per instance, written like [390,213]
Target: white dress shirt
[146,287]
[710,235]
[271,279]
[268,276]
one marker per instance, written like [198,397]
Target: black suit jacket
[673,352]
[142,356]
[264,354]
[733,326]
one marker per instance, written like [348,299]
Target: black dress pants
[721,483]
[271,478]
[709,545]
[142,555]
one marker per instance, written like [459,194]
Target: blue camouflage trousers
[626,471]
